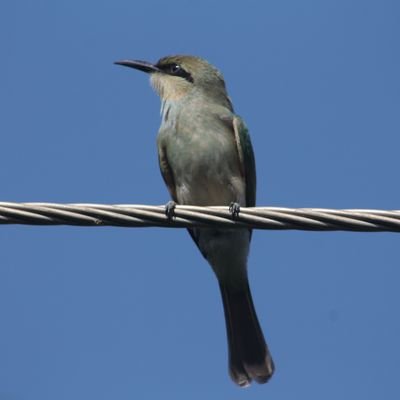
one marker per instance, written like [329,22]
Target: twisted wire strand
[130,215]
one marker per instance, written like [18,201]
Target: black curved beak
[140,65]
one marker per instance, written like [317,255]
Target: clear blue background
[114,313]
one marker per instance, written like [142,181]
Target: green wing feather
[166,171]
[247,160]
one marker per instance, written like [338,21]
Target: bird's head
[175,76]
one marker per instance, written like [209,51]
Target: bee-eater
[206,159]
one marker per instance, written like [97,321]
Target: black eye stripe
[176,70]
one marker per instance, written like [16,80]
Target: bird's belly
[210,189]
[206,168]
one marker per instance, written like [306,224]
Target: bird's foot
[170,209]
[234,209]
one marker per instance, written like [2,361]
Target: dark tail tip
[249,357]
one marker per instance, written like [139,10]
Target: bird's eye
[174,68]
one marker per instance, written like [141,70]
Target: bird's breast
[204,161]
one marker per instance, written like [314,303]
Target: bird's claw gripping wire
[234,209]
[170,209]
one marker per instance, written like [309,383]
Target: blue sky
[114,313]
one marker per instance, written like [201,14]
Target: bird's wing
[166,171]
[169,180]
[246,159]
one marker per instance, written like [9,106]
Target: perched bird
[206,159]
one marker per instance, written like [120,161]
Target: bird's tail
[249,357]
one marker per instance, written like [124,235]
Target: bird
[206,159]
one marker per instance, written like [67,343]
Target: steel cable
[129,215]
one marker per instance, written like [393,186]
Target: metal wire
[129,215]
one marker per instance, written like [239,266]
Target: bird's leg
[234,209]
[170,209]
